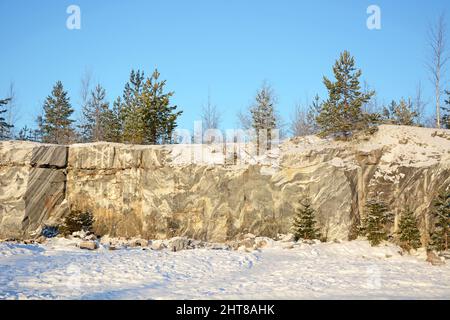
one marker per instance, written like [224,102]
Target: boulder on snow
[249,243]
[158,245]
[139,243]
[243,249]
[263,242]
[79,234]
[178,244]
[91,237]
[105,240]
[41,239]
[434,259]
[88,245]
[286,237]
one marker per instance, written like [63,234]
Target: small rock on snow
[88,245]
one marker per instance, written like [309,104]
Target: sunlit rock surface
[216,192]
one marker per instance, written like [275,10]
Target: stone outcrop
[201,192]
[32,187]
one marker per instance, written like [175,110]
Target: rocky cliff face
[32,186]
[163,191]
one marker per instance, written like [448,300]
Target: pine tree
[441,215]
[28,134]
[409,234]
[374,224]
[37,134]
[304,224]
[24,134]
[341,113]
[93,125]
[263,116]
[401,113]
[112,123]
[5,127]
[159,116]
[56,124]
[146,113]
[388,112]
[132,111]
[313,112]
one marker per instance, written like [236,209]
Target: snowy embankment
[353,270]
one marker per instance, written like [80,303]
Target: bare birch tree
[299,125]
[437,40]
[303,121]
[85,91]
[211,116]
[420,104]
[85,86]
[244,120]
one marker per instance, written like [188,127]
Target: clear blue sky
[226,46]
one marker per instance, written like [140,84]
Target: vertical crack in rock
[46,188]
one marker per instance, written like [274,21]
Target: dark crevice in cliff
[48,166]
[44,198]
[64,192]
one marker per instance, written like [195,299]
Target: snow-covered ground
[327,270]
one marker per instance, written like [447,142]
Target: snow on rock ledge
[160,192]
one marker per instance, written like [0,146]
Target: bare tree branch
[299,125]
[420,104]
[85,86]
[211,116]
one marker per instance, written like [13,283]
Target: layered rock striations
[32,187]
[217,192]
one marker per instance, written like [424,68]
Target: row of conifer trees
[378,221]
[144,113]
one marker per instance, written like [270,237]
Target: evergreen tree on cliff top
[160,117]
[312,114]
[401,113]
[56,124]
[263,116]
[132,114]
[93,126]
[4,126]
[112,122]
[341,114]
[146,112]
[304,225]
